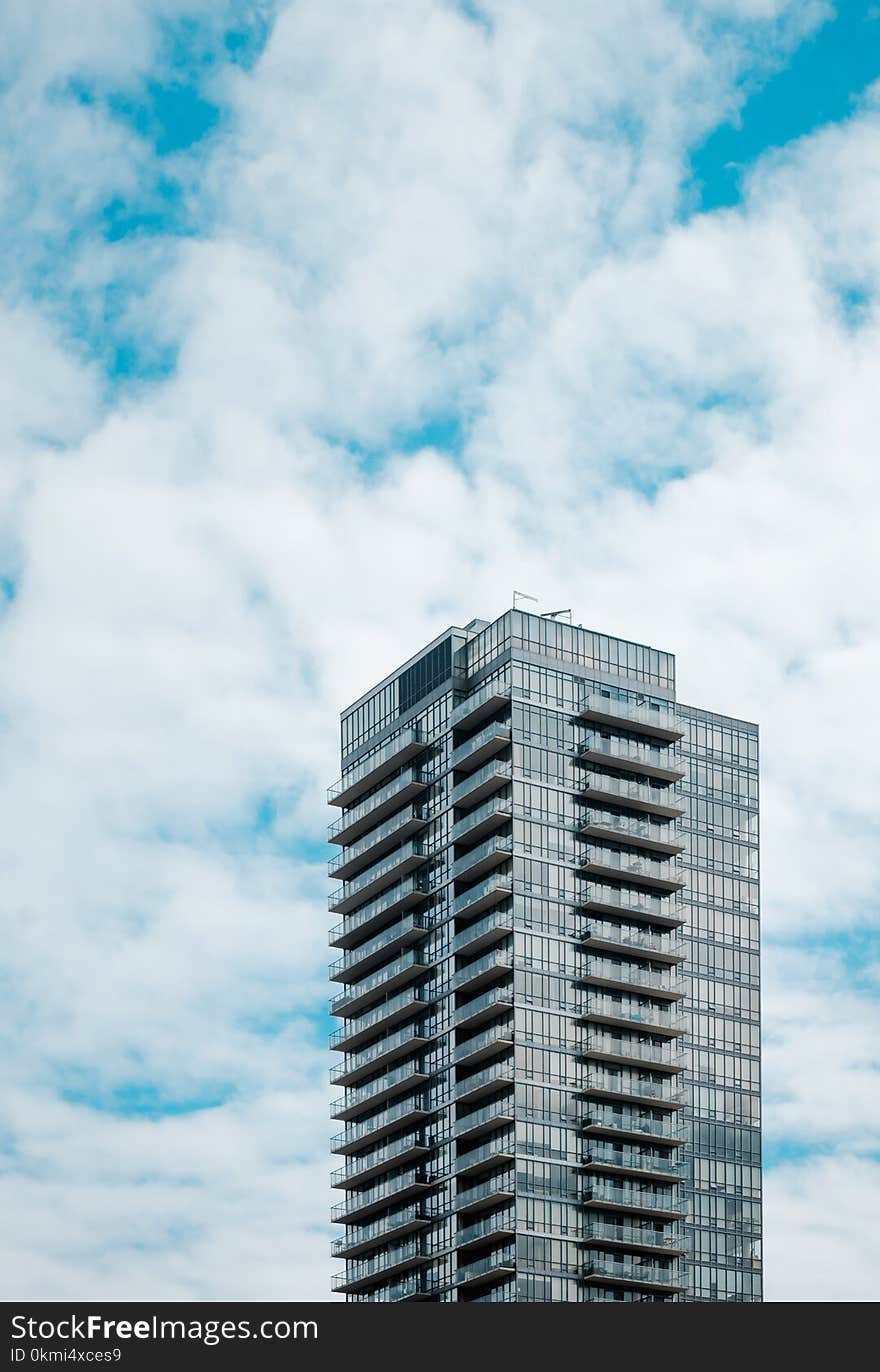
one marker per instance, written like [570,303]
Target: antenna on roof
[554,614]
[521,595]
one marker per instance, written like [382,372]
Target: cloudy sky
[322,327]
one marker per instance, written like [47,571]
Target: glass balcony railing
[409,1002]
[624,755]
[413,1287]
[630,1011]
[359,924]
[491,1003]
[497,1188]
[606,1193]
[498,1036]
[489,929]
[493,739]
[388,835]
[633,829]
[639,940]
[633,1273]
[384,760]
[635,795]
[361,1237]
[496,1264]
[487,1117]
[374,1269]
[491,964]
[496,1150]
[407,967]
[654,719]
[493,813]
[633,1086]
[598,895]
[499,1074]
[664,1056]
[383,1193]
[374,808]
[500,1225]
[660,1236]
[411,1110]
[632,1160]
[481,783]
[653,1124]
[403,1041]
[389,1083]
[665,873]
[489,892]
[484,701]
[660,981]
[393,865]
[354,963]
[389,1155]
[484,855]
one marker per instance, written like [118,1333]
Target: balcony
[638,1126]
[485,1082]
[493,1003]
[599,789]
[637,871]
[472,1200]
[494,1228]
[483,1120]
[486,701]
[477,750]
[652,720]
[489,892]
[632,1200]
[353,1001]
[406,894]
[360,1204]
[481,821]
[484,931]
[483,1045]
[649,1238]
[411,784]
[369,772]
[662,982]
[412,1113]
[377,842]
[361,1239]
[645,1276]
[657,836]
[625,756]
[359,1275]
[484,857]
[487,968]
[634,1088]
[495,1267]
[607,936]
[627,903]
[358,1031]
[659,1056]
[392,1155]
[382,1054]
[356,963]
[481,784]
[390,1084]
[630,1014]
[630,1162]
[403,860]
[496,1151]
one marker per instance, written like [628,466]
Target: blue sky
[322,333]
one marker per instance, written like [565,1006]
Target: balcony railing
[392,1046]
[632,829]
[631,757]
[474,1198]
[483,702]
[380,1196]
[634,795]
[489,892]
[372,1270]
[408,967]
[483,1045]
[366,774]
[470,754]
[376,807]
[662,1057]
[481,783]
[641,871]
[641,1274]
[630,1013]
[414,1287]
[412,1111]
[638,1125]
[378,841]
[629,902]
[388,1085]
[500,1264]
[628,1086]
[492,964]
[354,964]
[481,1083]
[484,856]
[660,981]
[603,1155]
[409,892]
[603,933]
[363,1237]
[492,1003]
[606,1195]
[487,930]
[394,1154]
[501,1225]
[483,818]
[480,1121]
[663,1237]
[411,1002]
[394,865]
[656,721]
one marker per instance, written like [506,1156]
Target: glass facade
[546,978]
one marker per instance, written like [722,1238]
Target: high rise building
[547,977]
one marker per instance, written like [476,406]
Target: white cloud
[410,213]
